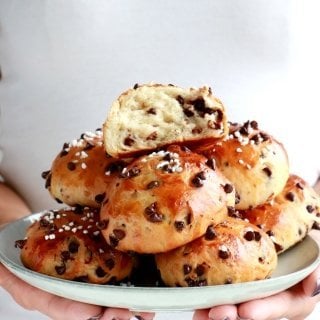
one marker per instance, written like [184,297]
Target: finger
[53,306]
[201,315]
[124,314]
[311,284]
[292,304]
[224,312]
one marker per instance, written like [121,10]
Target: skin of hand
[13,207]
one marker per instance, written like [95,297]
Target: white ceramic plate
[293,266]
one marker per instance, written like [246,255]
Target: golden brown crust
[68,244]
[82,172]
[164,200]
[230,252]
[152,116]
[254,161]
[289,217]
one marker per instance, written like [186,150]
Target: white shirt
[64,62]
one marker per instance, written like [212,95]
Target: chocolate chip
[198,179]
[200,270]
[119,234]
[110,263]
[210,233]
[45,174]
[257,236]
[136,86]
[48,181]
[131,173]
[189,113]
[278,247]
[187,269]
[310,208]
[73,247]
[153,184]
[290,196]
[211,163]
[100,272]
[299,186]
[65,255]
[180,99]
[152,213]
[267,171]
[71,166]
[20,243]
[100,197]
[102,224]
[179,225]
[60,269]
[128,141]
[152,111]
[249,235]
[223,254]
[228,188]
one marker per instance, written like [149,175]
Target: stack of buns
[168,176]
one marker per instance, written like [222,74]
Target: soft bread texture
[68,244]
[254,161]
[289,217]
[151,116]
[82,172]
[164,200]
[230,252]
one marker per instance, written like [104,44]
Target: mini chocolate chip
[310,208]
[152,213]
[223,254]
[261,259]
[128,141]
[20,243]
[60,269]
[257,236]
[110,263]
[179,225]
[73,247]
[180,99]
[270,233]
[58,200]
[290,196]
[45,174]
[113,241]
[254,124]
[136,86]
[299,186]
[151,111]
[187,268]
[102,224]
[228,281]
[278,247]
[267,171]
[100,272]
[71,166]
[131,173]
[100,197]
[249,235]
[189,113]
[211,163]
[48,181]
[119,234]
[65,255]
[200,270]
[210,233]
[153,184]
[316,226]
[44,223]
[228,188]
[196,130]
[197,182]
[237,198]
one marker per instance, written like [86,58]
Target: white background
[64,62]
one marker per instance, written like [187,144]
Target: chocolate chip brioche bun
[289,217]
[68,244]
[81,173]
[151,116]
[164,200]
[230,252]
[254,161]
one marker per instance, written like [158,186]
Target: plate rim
[19,270]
